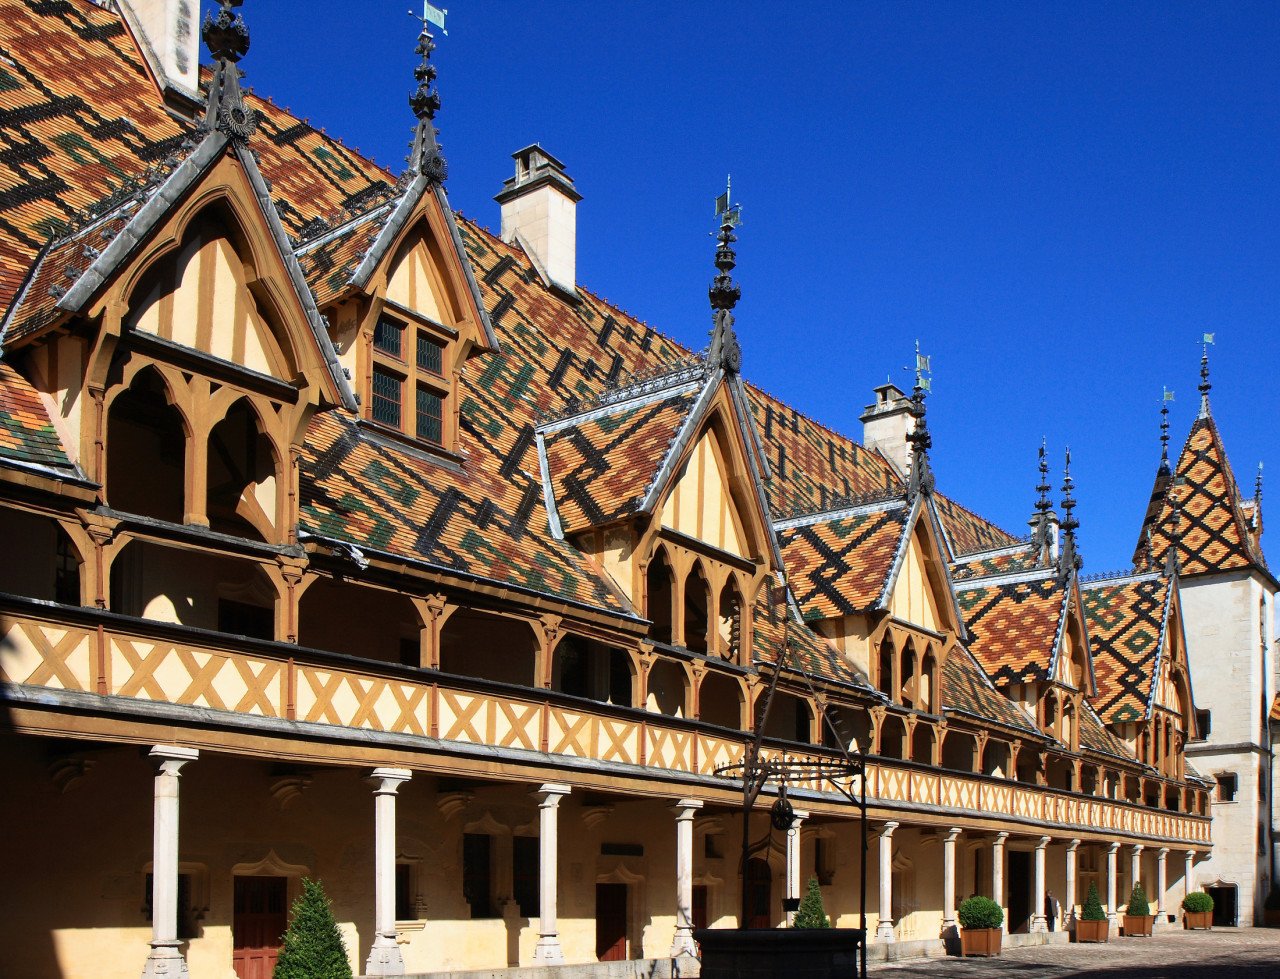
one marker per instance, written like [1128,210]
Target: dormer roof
[1128,631]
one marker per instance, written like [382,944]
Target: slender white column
[1135,866]
[1162,882]
[793,859]
[1038,920]
[997,875]
[384,954]
[949,879]
[1188,866]
[1111,884]
[548,947]
[884,930]
[683,943]
[165,958]
[1070,914]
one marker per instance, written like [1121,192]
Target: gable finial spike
[227,39]
[724,293]
[1172,560]
[1068,558]
[1205,342]
[921,441]
[1164,431]
[426,157]
[1257,487]
[1042,534]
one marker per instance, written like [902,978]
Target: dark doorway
[611,922]
[759,894]
[698,913]
[1019,890]
[1224,905]
[261,916]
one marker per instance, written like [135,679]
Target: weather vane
[728,212]
[922,370]
[431,15]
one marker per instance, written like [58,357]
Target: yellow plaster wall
[699,504]
[913,598]
[414,283]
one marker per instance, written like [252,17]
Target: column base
[884,932]
[548,950]
[164,961]
[384,958]
[1039,924]
[683,945]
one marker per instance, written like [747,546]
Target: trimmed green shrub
[1139,906]
[1197,902]
[1272,903]
[313,946]
[980,912]
[811,913]
[1092,909]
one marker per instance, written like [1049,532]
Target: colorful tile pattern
[1094,735]
[601,469]
[1008,562]
[1126,629]
[966,531]
[966,688]
[1013,627]
[329,261]
[810,652]
[25,431]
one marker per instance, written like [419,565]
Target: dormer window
[409,385]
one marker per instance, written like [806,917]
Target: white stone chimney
[886,425]
[540,213]
[168,32]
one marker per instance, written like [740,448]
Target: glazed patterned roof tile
[601,468]
[81,120]
[810,652]
[1213,534]
[1001,562]
[1013,627]
[839,566]
[26,433]
[965,687]
[329,262]
[1095,737]
[1126,629]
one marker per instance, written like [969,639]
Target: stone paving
[1224,953]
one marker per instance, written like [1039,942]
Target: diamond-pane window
[430,416]
[388,336]
[430,354]
[386,397]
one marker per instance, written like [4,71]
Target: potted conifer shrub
[980,931]
[811,913]
[1271,909]
[1138,918]
[313,946]
[1197,910]
[1092,925]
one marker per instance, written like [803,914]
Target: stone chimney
[540,213]
[168,33]
[886,425]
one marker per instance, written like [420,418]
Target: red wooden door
[611,922]
[257,928]
[759,894]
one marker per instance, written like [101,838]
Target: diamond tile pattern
[1013,627]
[965,687]
[1126,629]
[839,566]
[25,431]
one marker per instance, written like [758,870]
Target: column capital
[385,781]
[886,831]
[798,816]
[953,833]
[171,757]
[1073,846]
[686,808]
[1162,852]
[1137,848]
[1113,848]
[1044,842]
[1000,838]
[1191,854]
[549,794]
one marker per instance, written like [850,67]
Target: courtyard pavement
[1224,953]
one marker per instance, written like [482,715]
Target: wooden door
[1019,892]
[611,922]
[699,909]
[257,927]
[759,894]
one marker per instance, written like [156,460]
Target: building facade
[348,540]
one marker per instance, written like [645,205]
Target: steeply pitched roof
[1000,561]
[1212,533]
[1127,619]
[810,653]
[26,434]
[1014,625]
[966,688]
[966,531]
[1095,737]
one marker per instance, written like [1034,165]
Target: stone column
[1188,866]
[1038,920]
[1070,902]
[683,944]
[884,930]
[384,955]
[1135,866]
[793,859]
[1162,884]
[1111,885]
[997,875]
[165,959]
[548,947]
[949,879]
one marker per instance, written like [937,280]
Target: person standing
[1051,910]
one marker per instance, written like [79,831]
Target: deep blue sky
[1057,200]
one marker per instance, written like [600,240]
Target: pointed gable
[700,504]
[1127,620]
[1014,623]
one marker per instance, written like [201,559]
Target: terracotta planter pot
[1092,931]
[1197,919]
[1138,925]
[980,941]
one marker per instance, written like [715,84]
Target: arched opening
[489,647]
[927,684]
[1060,773]
[697,605]
[995,759]
[583,667]
[907,678]
[1050,712]
[848,728]
[192,588]
[922,743]
[146,451]
[344,617]
[893,737]
[1171,800]
[729,620]
[720,701]
[884,669]
[1028,766]
[49,568]
[1089,780]
[1132,788]
[659,589]
[790,719]
[959,751]
[242,476]
[668,689]
[1111,785]
[1069,725]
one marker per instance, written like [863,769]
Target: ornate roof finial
[1257,488]
[228,41]
[1206,340]
[1068,559]
[724,352]
[425,156]
[1172,561]
[1040,535]
[921,441]
[1164,431]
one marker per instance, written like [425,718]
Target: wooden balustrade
[94,652]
